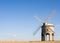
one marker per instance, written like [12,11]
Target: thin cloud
[12,34]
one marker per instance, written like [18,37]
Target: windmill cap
[48,24]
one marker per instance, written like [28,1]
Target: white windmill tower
[46,29]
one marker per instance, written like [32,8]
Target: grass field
[29,41]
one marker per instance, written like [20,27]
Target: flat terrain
[29,41]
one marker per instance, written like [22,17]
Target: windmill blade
[39,19]
[52,14]
[37,30]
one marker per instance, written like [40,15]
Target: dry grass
[29,41]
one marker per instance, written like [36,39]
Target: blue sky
[17,21]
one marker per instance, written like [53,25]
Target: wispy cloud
[11,34]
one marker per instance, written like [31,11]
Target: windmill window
[47,29]
[53,34]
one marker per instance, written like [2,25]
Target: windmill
[46,29]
